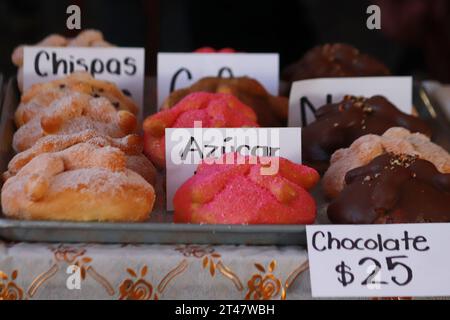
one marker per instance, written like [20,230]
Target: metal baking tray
[159,229]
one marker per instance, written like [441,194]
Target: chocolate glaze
[337,125]
[334,60]
[393,189]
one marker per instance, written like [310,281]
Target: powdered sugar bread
[40,96]
[82,183]
[395,140]
[131,145]
[75,113]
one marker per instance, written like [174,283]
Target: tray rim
[148,226]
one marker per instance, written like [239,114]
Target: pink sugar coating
[244,202]
[214,110]
[187,119]
[238,194]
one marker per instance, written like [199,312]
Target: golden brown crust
[271,110]
[81,183]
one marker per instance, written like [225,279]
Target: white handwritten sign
[379,260]
[309,95]
[186,148]
[123,66]
[180,70]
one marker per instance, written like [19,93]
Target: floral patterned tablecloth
[89,271]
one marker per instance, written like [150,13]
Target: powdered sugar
[99,181]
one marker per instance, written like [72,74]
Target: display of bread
[396,140]
[40,96]
[337,125]
[210,110]
[86,38]
[72,113]
[393,188]
[240,193]
[271,110]
[81,183]
[79,158]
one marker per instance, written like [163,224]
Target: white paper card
[123,66]
[180,70]
[318,92]
[411,259]
[185,148]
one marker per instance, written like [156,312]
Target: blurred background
[414,39]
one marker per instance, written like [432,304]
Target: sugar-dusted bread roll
[36,100]
[82,183]
[74,113]
[131,145]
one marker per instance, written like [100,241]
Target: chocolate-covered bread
[393,189]
[337,125]
[334,60]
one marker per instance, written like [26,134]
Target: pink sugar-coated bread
[214,110]
[240,194]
